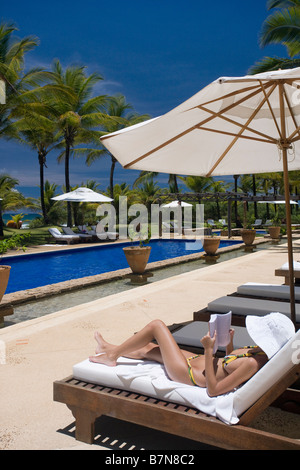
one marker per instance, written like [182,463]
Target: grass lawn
[38,236]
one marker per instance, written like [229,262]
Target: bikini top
[233,357]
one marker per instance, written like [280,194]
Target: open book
[220,323]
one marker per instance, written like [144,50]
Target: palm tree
[218,186]
[149,175]
[281,27]
[39,133]
[10,198]
[17,81]
[198,184]
[147,194]
[22,110]
[122,115]
[78,115]
[12,53]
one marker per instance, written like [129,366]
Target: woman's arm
[247,368]
[229,347]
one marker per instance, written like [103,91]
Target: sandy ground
[40,351]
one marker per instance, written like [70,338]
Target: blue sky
[157,53]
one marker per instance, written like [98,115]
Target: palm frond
[283,27]
[282,4]
[267,64]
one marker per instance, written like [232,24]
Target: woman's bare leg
[140,345]
[150,352]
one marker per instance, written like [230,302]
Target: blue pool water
[35,270]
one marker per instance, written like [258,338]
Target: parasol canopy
[235,125]
[82,195]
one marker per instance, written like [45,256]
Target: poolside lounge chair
[189,336]
[60,237]
[243,306]
[223,222]
[84,229]
[211,222]
[284,271]
[267,291]
[168,227]
[268,223]
[82,236]
[103,235]
[92,232]
[257,223]
[141,393]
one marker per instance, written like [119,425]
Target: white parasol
[82,195]
[235,125]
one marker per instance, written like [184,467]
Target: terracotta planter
[248,236]
[211,244]
[4,276]
[274,232]
[137,258]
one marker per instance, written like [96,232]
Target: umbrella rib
[229,95]
[210,118]
[219,131]
[231,121]
[257,109]
[270,108]
[297,130]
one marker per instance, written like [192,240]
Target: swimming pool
[36,270]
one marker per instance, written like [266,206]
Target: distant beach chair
[60,237]
[82,236]
[211,222]
[223,222]
[257,223]
[268,223]
[103,235]
[83,229]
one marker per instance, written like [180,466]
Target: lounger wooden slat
[87,403]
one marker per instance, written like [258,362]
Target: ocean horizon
[28,216]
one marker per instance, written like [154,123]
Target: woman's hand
[208,342]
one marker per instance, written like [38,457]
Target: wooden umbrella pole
[289,234]
[284,144]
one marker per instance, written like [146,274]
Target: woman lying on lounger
[218,375]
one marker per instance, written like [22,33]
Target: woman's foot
[103,351]
[103,358]
[102,345]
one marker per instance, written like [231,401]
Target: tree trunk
[111,178]
[235,202]
[254,194]
[67,180]
[42,161]
[1,222]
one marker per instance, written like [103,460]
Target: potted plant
[210,244]
[16,221]
[248,235]
[138,256]
[274,229]
[15,241]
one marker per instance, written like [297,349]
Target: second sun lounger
[243,306]
[63,237]
[267,291]
[189,336]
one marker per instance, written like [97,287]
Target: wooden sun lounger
[243,306]
[88,401]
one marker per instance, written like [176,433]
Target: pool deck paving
[39,351]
